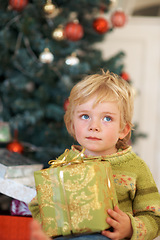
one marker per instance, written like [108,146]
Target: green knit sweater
[136,191]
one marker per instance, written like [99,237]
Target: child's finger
[113,223]
[109,234]
[36,232]
[34,225]
[116,209]
[113,214]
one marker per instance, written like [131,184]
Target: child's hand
[36,232]
[121,224]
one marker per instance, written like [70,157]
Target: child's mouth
[93,138]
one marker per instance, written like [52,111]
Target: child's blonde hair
[107,87]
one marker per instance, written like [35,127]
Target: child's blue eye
[85,116]
[107,119]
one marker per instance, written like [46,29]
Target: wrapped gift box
[17,175]
[74,198]
[14,165]
[15,228]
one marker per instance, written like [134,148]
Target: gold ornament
[46,56]
[50,9]
[58,33]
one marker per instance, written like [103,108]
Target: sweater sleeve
[146,206]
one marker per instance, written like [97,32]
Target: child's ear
[123,133]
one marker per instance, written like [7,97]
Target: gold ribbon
[63,162]
[61,177]
[110,189]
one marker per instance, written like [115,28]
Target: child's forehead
[98,98]
[104,107]
[94,101]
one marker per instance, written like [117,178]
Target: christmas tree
[45,48]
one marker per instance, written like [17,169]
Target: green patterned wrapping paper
[74,198]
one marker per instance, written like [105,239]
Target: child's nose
[94,125]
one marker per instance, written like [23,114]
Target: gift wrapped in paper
[17,175]
[73,197]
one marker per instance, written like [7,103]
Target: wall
[140,40]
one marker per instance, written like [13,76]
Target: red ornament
[118,18]
[125,76]
[65,105]
[100,25]
[15,146]
[18,5]
[73,31]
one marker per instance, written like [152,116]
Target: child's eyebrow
[104,113]
[81,111]
[112,113]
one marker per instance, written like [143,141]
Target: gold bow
[62,162]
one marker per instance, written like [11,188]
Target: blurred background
[47,46]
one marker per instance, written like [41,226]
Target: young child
[99,117]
